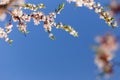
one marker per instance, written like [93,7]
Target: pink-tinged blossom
[105,52]
[6,5]
[37,17]
[22,27]
[26,17]
[108,42]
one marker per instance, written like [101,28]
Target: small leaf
[10,41]
[41,6]
[60,8]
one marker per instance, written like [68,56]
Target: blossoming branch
[15,9]
[91,4]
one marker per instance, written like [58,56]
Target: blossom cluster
[105,53]
[91,4]
[37,16]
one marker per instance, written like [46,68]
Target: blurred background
[36,57]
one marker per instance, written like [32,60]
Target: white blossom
[17,12]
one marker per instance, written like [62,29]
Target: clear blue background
[36,57]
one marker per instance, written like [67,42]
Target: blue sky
[36,57]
